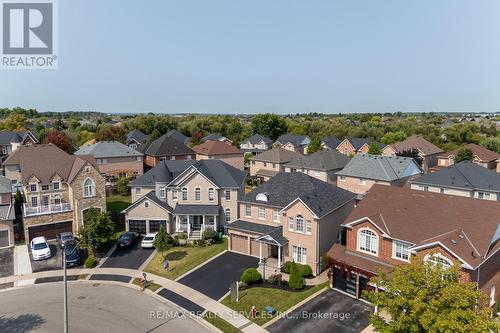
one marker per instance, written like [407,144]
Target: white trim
[424,246]
[358,247]
[364,219]
[394,250]
[193,169]
[310,210]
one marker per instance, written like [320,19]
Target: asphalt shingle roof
[150,196]
[416,142]
[327,159]
[284,188]
[138,136]
[257,138]
[277,155]
[5,185]
[8,137]
[167,146]
[196,209]
[465,175]
[385,168]
[107,149]
[178,136]
[482,153]
[331,141]
[216,148]
[294,139]
[357,143]
[258,228]
[213,137]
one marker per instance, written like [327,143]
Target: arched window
[299,223]
[438,259]
[211,196]
[228,214]
[367,241]
[197,194]
[184,193]
[88,188]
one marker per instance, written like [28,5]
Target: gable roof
[8,137]
[138,136]
[482,153]
[163,172]
[464,175]
[152,197]
[292,138]
[357,143]
[331,142]
[178,136]
[416,142]
[167,146]
[216,148]
[214,137]
[284,188]
[463,225]
[46,160]
[257,138]
[327,159]
[277,155]
[385,168]
[107,149]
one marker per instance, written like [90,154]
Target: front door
[197,220]
[274,251]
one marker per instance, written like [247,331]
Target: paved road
[93,307]
[132,257]
[214,278]
[333,306]
[7,262]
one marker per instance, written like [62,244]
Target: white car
[148,240]
[40,248]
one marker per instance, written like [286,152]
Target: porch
[195,219]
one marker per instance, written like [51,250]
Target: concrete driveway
[53,263]
[330,311]
[132,257]
[213,278]
[7,262]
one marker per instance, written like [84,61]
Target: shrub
[210,234]
[286,267]
[304,270]
[91,262]
[199,243]
[250,276]
[275,279]
[296,281]
[182,235]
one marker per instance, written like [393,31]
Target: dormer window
[55,185]
[262,197]
[33,187]
[367,241]
[438,259]
[45,187]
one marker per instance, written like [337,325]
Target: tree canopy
[375,149]
[269,125]
[98,226]
[464,154]
[314,146]
[413,153]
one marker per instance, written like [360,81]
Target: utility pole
[65,291]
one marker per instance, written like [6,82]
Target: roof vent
[461,236]
[453,241]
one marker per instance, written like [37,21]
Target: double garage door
[140,226]
[4,238]
[239,243]
[50,231]
[347,282]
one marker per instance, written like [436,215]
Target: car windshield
[69,248]
[40,246]
[125,237]
[148,238]
[66,237]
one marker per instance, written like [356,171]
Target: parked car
[126,239]
[72,253]
[64,237]
[40,248]
[148,240]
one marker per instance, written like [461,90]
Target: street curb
[200,265]
[147,261]
[106,256]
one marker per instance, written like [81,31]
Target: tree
[413,153]
[122,186]
[15,122]
[295,281]
[314,146]
[108,133]
[391,137]
[492,144]
[464,154]
[196,138]
[427,297]
[269,125]
[375,149]
[163,241]
[98,226]
[59,139]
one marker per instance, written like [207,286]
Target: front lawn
[280,299]
[183,258]
[220,323]
[149,284]
[117,203]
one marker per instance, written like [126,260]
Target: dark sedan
[73,254]
[126,239]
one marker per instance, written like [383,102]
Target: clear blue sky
[277,56]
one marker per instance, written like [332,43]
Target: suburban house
[290,217]
[114,158]
[185,196]
[269,163]
[353,146]
[11,140]
[482,156]
[216,137]
[321,165]
[256,144]
[364,170]
[220,150]
[296,143]
[166,148]
[136,138]
[391,225]
[465,179]
[426,150]
[178,136]
[330,142]
[58,188]
[7,214]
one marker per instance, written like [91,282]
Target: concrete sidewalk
[22,264]
[196,297]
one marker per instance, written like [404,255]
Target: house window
[138,159]
[299,223]
[228,214]
[400,250]
[172,158]
[33,188]
[227,193]
[342,178]
[362,181]
[188,157]
[162,192]
[290,223]
[55,185]
[265,164]
[146,204]
[483,195]
[174,195]
[197,194]
[184,193]
[367,241]
[442,162]
[4,150]
[211,195]
[492,296]
[424,188]
[299,254]
[274,165]
[88,188]
[102,161]
[442,190]
[137,190]
[45,187]
[248,210]
[163,158]
[438,259]
[262,213]
[57,200]
[253,162]
[308,227]
[34,201]
[276,215]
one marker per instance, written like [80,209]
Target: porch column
[375,310]
[279,256]
[203,223]
[177,226]
[260,251]
[215,222]
[357,285]
[189,225]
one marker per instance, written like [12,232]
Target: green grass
[149,285]
[183,258]
[260,297]
[220,323]
[117,203]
